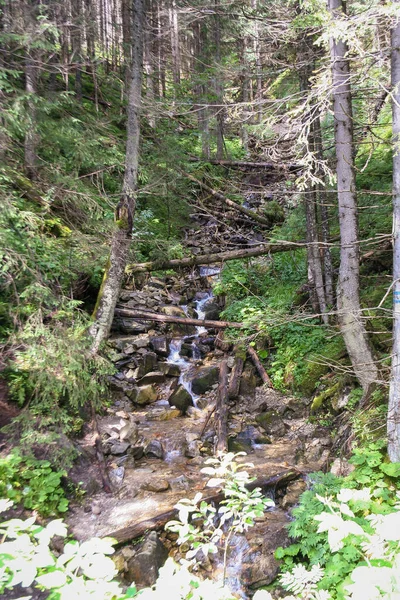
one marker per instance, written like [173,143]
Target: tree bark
[115,269]
[261,371]
[218,257]
[234,383]
[221,409]
[31,136]
[393,419]
[142,315]
[349,310]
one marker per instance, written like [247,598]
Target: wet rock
[119,448]
[143,395]
[132,374]
[170,369]
[148,363]
[272,423]
[157,485]
[341,467]
[181,399]
[173,311]
[205,379]
[117,476]
[143,568]
[237,444]
[155,377]
[212,310]
[192,448]
[165,414]
[180,483]
[293,493]
[96,509]
[142,341]
[136,452]
[160,345]
[154,449]
[130,327]
[260,567]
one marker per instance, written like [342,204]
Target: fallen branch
[221,409]
[246,211]
[262,372]
[216,257]
[142,315]
[136,530]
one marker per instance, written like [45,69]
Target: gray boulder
[205,379]
[181,399]
[143,568]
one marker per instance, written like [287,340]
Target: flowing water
[187,367]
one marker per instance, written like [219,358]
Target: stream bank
[160,429]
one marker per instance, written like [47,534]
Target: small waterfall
[175,357]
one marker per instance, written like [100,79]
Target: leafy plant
[32,483]
[202,526]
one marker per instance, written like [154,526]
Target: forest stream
[161,427]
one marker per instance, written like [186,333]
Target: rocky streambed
[160,428]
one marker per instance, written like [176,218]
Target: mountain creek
[160,428]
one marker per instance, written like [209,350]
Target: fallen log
[142,315]
[135,530]
[234,383]
[262,372]
[221,409]
[246,211]
[216,257]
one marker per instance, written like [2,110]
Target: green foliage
[53,370]
[83,570]
[310,547]
[32,483]
[200,524]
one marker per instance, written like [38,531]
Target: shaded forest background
[225,85]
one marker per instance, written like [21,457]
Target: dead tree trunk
[257,362]
[221,409]
[115,269]
[393,419]
[217,257]
[348,293]
[234,383]
[142,315]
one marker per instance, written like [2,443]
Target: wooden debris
[216,257]
[143,315]
[257,362]
[221,408]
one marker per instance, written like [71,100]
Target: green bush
[32,483]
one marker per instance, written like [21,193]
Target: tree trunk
[143,315]
[217,257]
[349,310]
[76,40]
[176,55]
[261,371]
[31,136]
[234,383]
[222,409]
[109,291]
[393,420]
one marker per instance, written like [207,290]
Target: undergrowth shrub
[32,483]
[53,371]
[312,548]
